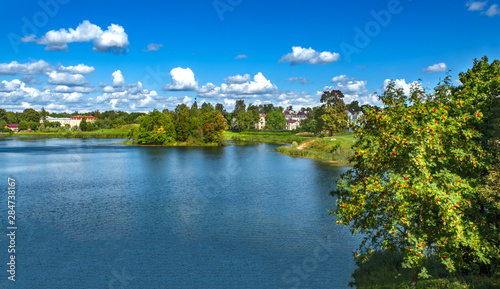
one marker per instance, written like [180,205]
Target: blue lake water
[96,214]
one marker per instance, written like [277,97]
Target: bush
[295,145]
[384,270]
[222,141]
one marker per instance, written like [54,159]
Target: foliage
[182,126]
[481,84]
[385,270]
[214,127]
[354,105]
[334,116]
[23,125]
[191,126]
[276,120]
[156,128]
[83,124]
[413,187]
[29,115]
[3,115]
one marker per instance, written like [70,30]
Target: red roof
[291,121]
[78,117]
[12,125]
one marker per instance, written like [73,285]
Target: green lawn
[338,150]
[278,137]
[120,132]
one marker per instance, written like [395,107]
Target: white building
[292,124]
[71,121]
[294,119]
[262,121]
[353,116]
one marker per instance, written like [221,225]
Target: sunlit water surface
[96,214]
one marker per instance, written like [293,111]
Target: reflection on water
[95,214]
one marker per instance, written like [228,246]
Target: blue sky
[68,55]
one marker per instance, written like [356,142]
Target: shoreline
[237,138]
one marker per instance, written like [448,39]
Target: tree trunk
[414,276]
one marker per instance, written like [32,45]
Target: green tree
[23,125]
[3,115]
[214,126]
[413,186]
[182,126]
[335,116]
[481,84]
[275,120]
[317,115]
[156,128]
[194,111]
[354,105]
[30,114]
[220,108]
[239,106]
[43,114]
[83,124]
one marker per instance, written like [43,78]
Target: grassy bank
[384,270]
[280,137]
[337,150]
[121,132]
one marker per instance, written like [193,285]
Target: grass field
[279,137]
[120,132]
[336,148]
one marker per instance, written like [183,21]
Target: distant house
[353,116]
[262,121]
[292,124]
[73,121]
[294,119]
[13,127]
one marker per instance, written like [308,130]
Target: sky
[69,55]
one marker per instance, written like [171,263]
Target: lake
[92,213]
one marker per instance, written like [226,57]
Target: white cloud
[113,39]
[241,56]
[301,80]
[71,89]
[68,79]
[153,47]
[260,85]
[353,90]
[439,67]
[182,80]
[38,67]
[301,55]
[476,5]
[79,69]
[9,86]
[118,79]
[341,78]
[238,79]
[402,84]
[72,97]
[493,10]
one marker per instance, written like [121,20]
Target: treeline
[204,125]
[326,117]
[31,118]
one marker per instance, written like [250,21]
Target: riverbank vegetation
[424,184]
[336,148]
[183,126]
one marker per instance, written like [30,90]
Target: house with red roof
[13,127]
